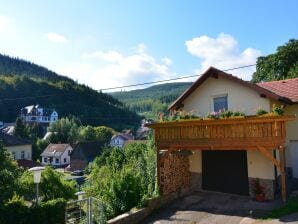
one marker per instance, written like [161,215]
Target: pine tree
[20,129]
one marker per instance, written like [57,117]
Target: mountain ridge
[151,101]
[20,78]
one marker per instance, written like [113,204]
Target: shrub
[16,211]
[261,112]
[123,178]
[49,212]
[226,114]
[277,110]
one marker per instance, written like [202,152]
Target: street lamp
[36,178]
[80,195]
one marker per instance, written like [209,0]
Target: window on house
[13,154]
[220,103]
[45,160]
[23,155]
[57,160]
[65,160]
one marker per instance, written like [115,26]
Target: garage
[225,171]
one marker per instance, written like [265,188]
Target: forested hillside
[153,100]
[20,79]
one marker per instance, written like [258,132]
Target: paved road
[212,208]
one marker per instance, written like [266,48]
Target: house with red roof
[234,156]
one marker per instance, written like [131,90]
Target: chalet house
[57,155]
[230,155]
[120,139]
[83,153]
[38,114]
[18,148]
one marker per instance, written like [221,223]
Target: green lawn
[290,207]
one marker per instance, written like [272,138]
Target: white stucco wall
[17,150]
[195,161]
[292,139]
[259,166]
[240,98]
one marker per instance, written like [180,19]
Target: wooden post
[158,168]
[283,173]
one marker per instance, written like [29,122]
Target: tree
[65,130]
[37,148]
[104,133]
[87,134]
[52,185]
[20,129]
[9,174]
[281,65]
[101,133]
[123,178]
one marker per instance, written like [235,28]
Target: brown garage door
[225,171]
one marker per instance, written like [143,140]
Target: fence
[85,211]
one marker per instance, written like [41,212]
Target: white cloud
[223,52]
[112,56]
[113,68]
[55,37]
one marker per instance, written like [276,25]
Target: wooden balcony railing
[232,133]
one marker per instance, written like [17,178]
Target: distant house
[38,114]
[57,155]
[143,132]
[120,139]
[8,128]
[83,153]
[18,148]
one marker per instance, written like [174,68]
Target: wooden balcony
[232,133]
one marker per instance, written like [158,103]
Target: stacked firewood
[174,173]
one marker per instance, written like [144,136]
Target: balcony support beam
[280,164]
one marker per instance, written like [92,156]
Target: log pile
[174,173]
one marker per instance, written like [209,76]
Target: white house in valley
[57,155]
[38,114]
[18,148]
[120,139]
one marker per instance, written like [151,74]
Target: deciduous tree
[280,65]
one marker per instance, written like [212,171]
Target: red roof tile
[286,88]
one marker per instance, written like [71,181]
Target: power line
[132,85]
[173,79]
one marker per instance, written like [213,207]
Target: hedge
[49,212]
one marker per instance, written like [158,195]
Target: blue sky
[111,43]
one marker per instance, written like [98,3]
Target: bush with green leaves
[123,178]
[16,210]
[9,173]
[261,112]
[52,185]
